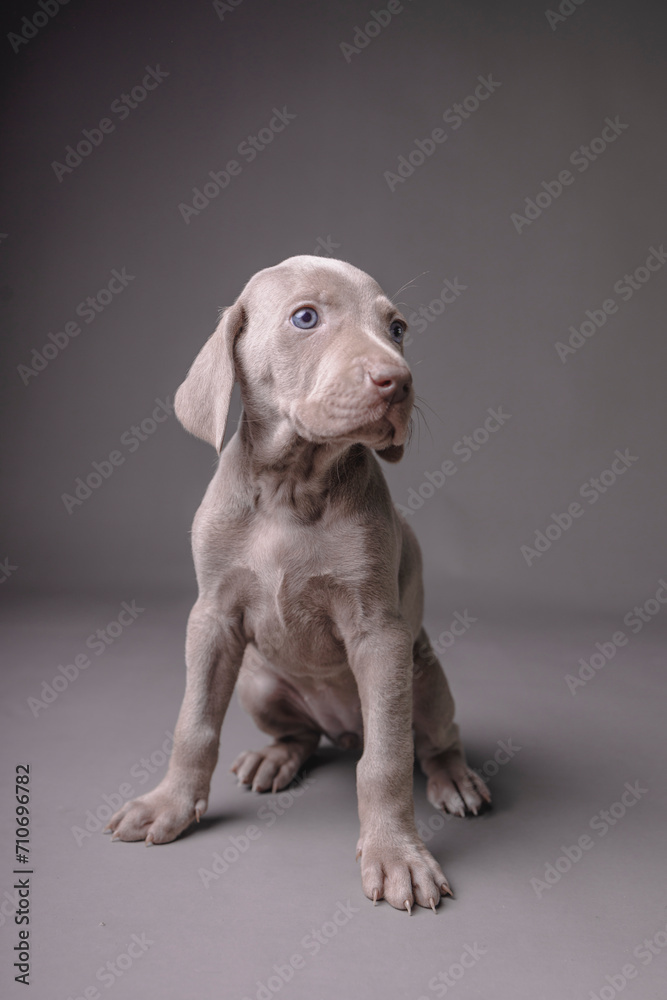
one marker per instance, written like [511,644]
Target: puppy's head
[317,349]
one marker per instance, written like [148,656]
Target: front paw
[398,868]
[159,816]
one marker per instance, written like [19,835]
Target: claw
[445,890]
[432,903]
[375,897]
[149,842]
[483,791]
[116,836]
[197,815]
[408,907]
[358,854]
[107,829]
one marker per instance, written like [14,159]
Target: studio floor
[560,887]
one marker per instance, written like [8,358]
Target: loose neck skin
[286,469]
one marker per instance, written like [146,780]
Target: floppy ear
[394,453]
[202,401]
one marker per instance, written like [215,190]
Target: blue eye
[305,319]
[397,331]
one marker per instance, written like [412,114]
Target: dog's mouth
[378,425]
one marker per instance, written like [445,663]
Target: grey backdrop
[321,185]
[322,179]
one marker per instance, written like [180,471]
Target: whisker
[421,416]
[411,427]
[426,403]
[408,283]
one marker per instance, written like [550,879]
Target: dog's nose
[392,383]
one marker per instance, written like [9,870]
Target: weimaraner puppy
[310,582]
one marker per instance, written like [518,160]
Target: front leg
[213,653]
[395,865]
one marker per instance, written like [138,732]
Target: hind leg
[452,786]
[276,711]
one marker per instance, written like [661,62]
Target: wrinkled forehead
[303,280]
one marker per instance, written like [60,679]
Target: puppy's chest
[297,571]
